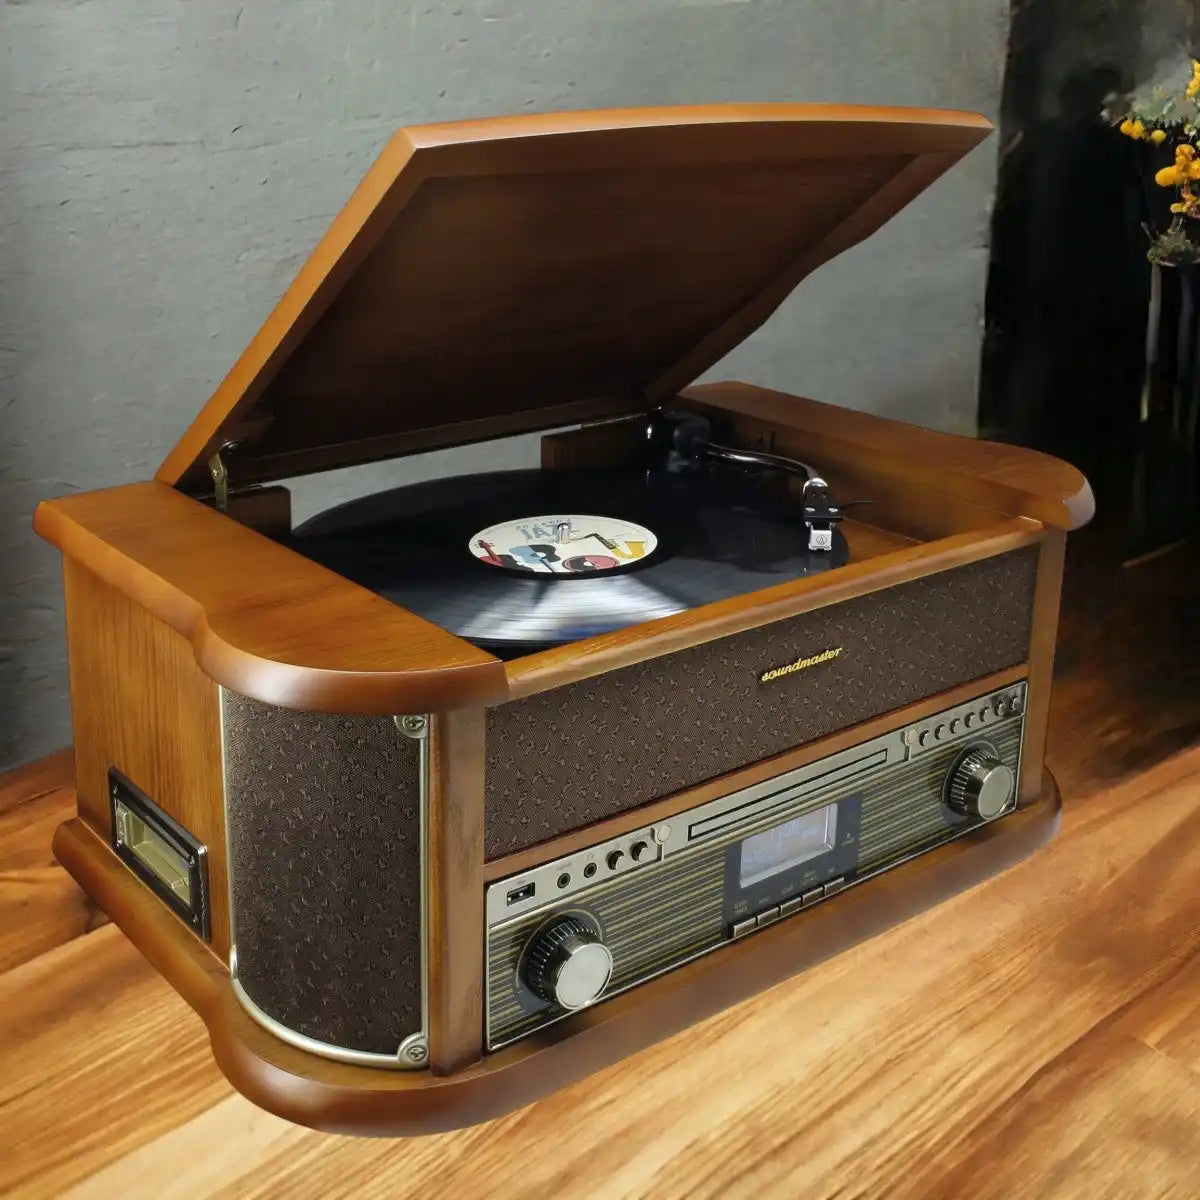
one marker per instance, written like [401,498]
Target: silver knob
[980,785]
[568,964]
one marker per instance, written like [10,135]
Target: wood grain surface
[140,704]
[682,229]
[262,619]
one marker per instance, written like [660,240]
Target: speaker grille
[574,755]
[325,862]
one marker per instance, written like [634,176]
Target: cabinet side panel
[140,704]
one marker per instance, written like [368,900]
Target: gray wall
[167,166]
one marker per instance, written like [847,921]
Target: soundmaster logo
[801,664]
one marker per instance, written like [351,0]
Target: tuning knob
[567,963]
[980,785]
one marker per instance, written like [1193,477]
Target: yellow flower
[1138,130]
[1127,127]
[1158,137]
[1185,153]
[1169,177]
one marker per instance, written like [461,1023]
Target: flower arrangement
[1162,117]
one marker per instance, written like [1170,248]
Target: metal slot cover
[164,855]
[153,850]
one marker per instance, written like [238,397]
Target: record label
[563,545]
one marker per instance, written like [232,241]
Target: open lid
[497,276]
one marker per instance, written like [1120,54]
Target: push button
[741,928]
[767,916]
[795,904]
[833,886]
[812,895]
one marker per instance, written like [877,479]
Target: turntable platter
[519,561]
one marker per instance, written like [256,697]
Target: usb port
[520,893]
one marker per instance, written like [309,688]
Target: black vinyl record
[567,554]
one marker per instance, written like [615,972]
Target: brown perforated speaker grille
[325,869]
[574,755]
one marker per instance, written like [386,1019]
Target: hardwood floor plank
[1109,1120]
[1168,1018]
[40,904]
[884,1071]
[37,778]
[100,1056]
[180,1165]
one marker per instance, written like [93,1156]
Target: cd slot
[767,804]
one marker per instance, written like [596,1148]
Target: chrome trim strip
[360,1058]
[414,1049]
[756,808]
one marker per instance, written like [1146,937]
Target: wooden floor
[1036,1037]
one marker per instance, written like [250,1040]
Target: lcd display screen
[788,845]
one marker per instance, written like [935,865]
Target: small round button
[939,732]
[925,738]
[984,714]
[1015,705]
[954,725]
[968,720]
[1001,707]
[615,859]
[564,879]
[589,870]
[639,851]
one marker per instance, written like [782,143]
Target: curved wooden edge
[957,128]
[357,1100]
[1009,479]
[263,620]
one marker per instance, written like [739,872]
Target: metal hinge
[218,468]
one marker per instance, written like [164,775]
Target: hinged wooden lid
[490,277]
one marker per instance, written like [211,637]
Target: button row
[804,900]
[1002,706]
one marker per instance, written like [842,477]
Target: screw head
[416,1053]
[412,725]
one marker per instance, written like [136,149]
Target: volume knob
[980,785]
[567,963]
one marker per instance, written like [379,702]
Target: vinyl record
[519,561]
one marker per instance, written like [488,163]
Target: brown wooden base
[359,1100]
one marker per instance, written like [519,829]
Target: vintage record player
[458,792]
